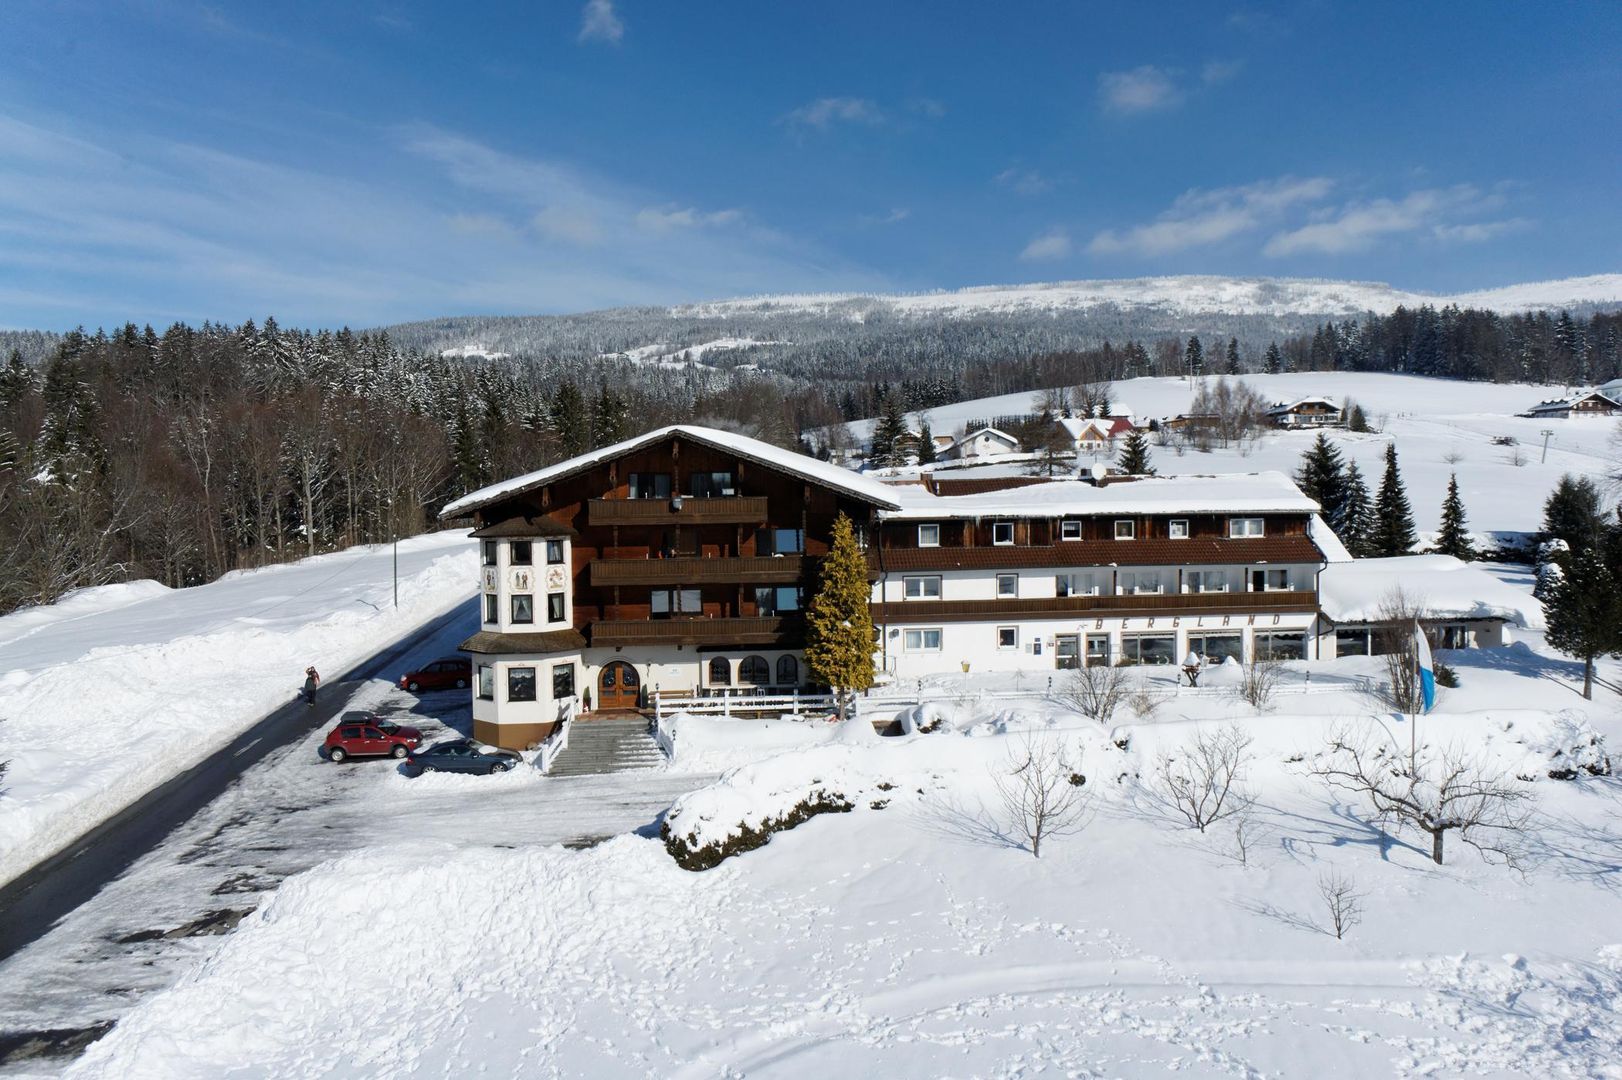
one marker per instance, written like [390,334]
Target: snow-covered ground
[114,690]
[914,937]
[660,354]
[1440,427]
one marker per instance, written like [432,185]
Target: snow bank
[1443,586]
[118,689]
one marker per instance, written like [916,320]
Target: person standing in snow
[311,680]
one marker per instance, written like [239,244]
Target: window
[521,684]
[788,671]
[921,640]
[1290,646]
[1270,580]
[1353,641]
[1007,637]
[487,683]
[1177,528]
[676,602]
[1067,652]
[1126,530]
[521,553]
[1070,530]
[562,681]
[776,599]
[922,588]
[1002,532]
[711,485]
[1007,586]
[1453,636]
[523,608]
[1206,581]
[554,552]
[1075,585]
[1216,648]
[929,536]
[1239,528]
[491,611]
[487,552]
[1134,582]
[1148,649]
[649,486]
[780,542]
[754,671]
[720,671]
[554,607]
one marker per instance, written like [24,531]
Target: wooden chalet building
[1310,412]
[681,560]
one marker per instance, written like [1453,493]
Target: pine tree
[1194,356]
[838,624]
[1353,526]
[1323,478]
[1453,539]
[1135,455]
[1233,356]
[609,418]
[1356,419]
[889,435]
[1583,607]
[1274,363]
[1393,518]
[569,419]
[1572,513]
[926,442]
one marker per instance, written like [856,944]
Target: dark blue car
[462,755]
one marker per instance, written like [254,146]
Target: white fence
[557,742]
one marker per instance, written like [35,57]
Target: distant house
[1598,402]
[984,443]
[1309,412]
[1184,422]
[1094,434]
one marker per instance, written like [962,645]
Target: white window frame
[1069,525]
[1267,579]
[1177,529]
[916,639]
[1134,590]
[934,534]
[996,529]
[1131,528]
[1003,579]
[921,579]
[1240,528]
[1077,583]
[1013,642]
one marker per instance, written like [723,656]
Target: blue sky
[365,162]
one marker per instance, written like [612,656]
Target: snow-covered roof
[1234,493]
[795,464]
[994,432]
[1444,587]
[1105,426]
[1291,406]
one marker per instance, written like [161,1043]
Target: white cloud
[1053,244]
[1357,226]
[823,113]
[599,22]
[1201,217]
[664,219]
[1023,181]
[1477,232]
[926,106]
[1143,89]
[567,224]
[1216,72]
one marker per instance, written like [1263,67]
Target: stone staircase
[608,745]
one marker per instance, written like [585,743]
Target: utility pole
[397,569]
[1545,433]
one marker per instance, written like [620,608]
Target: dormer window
[1126,529]
[1070,529]
[1177,529]
[1002,532]
[929,536]
[1244,528]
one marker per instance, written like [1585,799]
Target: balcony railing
[745,570]
[924,611]
[781,630]
[682,510]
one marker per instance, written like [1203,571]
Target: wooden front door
[618,687]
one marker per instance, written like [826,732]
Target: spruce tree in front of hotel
[1323,478]
[1135,456]
[1352,526]
[1453,539]
[839,626]
[1583,610]
[1393,519]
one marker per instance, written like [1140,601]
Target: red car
[450,673]
[364,735]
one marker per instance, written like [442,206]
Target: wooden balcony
[1091,607]
[783,631]
[728,510]
[747,570]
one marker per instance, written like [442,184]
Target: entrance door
[618,687]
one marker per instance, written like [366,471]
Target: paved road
[33,903]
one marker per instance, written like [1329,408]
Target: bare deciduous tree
[1395,619]
[1257,682]
[1344,902]
[1096,690]
[1434,791]
[1044,790]
[1205,782]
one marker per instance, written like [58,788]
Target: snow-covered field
[914,937]
[660,354]
[1440,427]
[114,690]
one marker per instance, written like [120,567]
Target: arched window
[788,671]
[720,671]
[754,671]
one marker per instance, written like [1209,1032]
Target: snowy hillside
[1440,427]
[1184,295]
